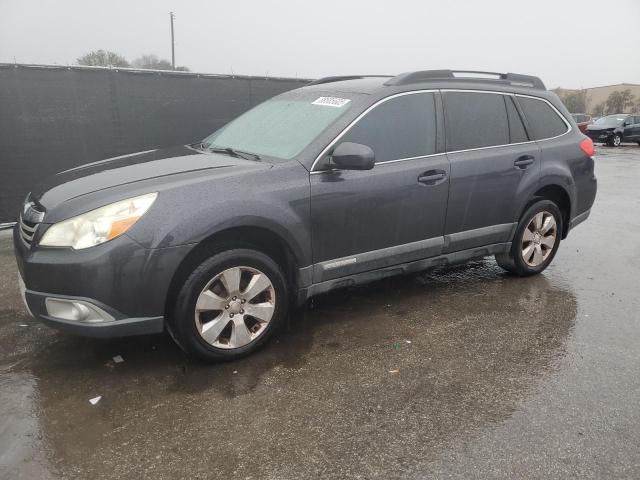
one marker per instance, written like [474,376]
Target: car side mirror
[353,156]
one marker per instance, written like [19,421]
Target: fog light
[76,310]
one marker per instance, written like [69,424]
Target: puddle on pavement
[478,341]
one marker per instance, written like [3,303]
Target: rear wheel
[230,305]
[536,240]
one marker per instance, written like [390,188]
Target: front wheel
[536,240]
[230,305]
[615,141]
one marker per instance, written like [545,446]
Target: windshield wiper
[235,153]
[198,146]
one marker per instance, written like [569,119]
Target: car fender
[556,175]
[189,225]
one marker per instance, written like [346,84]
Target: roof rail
[344,77]
[426,75]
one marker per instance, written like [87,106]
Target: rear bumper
[578,219]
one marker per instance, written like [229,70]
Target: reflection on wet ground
[463,371]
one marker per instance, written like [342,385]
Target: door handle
[524,161]
[432,177]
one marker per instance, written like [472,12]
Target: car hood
[126,169]
[600,128]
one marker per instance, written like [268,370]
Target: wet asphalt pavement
[497,377]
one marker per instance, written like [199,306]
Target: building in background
[598,100]
[599,95]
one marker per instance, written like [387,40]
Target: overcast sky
[568,43]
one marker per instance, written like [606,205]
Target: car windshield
[279,127]
[610,120]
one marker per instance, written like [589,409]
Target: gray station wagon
[344,181]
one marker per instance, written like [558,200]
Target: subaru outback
[341,182]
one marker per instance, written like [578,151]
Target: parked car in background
[341,182]
[582,120]
[615,129]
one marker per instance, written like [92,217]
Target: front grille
[31,216]
[27,230]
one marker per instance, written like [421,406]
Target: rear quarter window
[543,120]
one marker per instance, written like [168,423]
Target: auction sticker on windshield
[331,101]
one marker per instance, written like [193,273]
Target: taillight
[586,145]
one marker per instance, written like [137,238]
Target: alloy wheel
[235,307]
[539,238]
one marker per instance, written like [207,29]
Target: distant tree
[574,100]
[619,101]
[102,58]
[598,110]
[152,62]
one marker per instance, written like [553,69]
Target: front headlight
[98,226]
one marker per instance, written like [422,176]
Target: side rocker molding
[404,268]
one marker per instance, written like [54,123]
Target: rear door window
[402,127]
[543,121]
[475,120]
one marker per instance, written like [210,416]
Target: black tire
[513,260]
[616,138]
[182,322]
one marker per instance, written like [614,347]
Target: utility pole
[173,43]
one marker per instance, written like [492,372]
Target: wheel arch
[558,195]
[262,239]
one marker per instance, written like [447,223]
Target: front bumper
[599,137]
[120,278]
[117,326]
